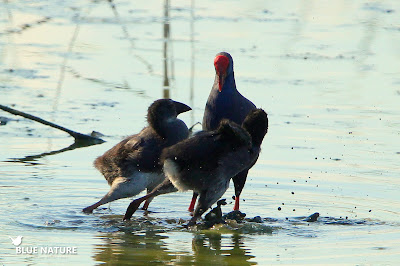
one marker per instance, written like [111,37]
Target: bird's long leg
[239,180]
[104,200]
[202,206]
[120,188]
[207,198]
[147,202]
[135,205]
[163,188]
[193,202]
[236,206]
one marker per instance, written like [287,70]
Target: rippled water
[326,72]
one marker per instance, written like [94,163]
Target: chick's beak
[181,107]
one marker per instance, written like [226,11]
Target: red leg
[193,202]
[236,207]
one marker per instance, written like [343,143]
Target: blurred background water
[327,73]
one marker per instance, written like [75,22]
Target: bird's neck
[171,129]
[159,125]
[257,135]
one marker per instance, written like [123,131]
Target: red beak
[221,80]
[221,64]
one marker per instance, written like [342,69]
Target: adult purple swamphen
[225,102]
[133,164]
[206,162]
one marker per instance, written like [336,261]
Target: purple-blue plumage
[226,102]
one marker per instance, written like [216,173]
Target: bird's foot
[189,224]
[87,210]
[192,222]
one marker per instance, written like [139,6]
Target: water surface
[326,73]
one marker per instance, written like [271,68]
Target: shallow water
[326,73]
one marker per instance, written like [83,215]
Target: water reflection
[192,62]
[31,159]
[370,28]
[127,36]
[131,248]
[79,19]
[213,248]
[166,44]
[64,64]
[155,246]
